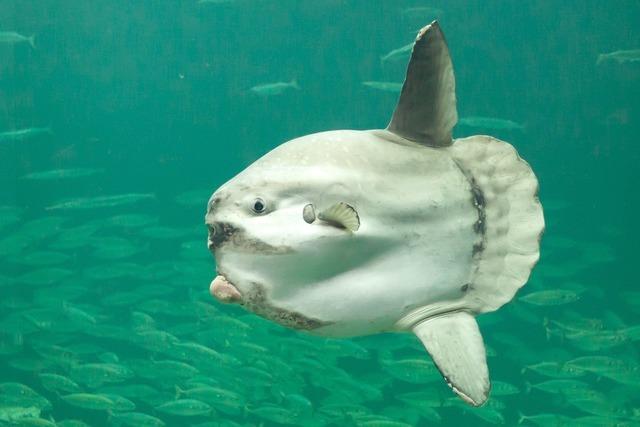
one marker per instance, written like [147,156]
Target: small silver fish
[561,386]
[62,173]
[384,86]
[422,12]
[94,402]
[555,370]
[15,414]
[546,419]
[137,419]
[597,341]
[600,365]
[11,37]
[620,56]
[270,89]
[490,123]
[101,201]
[551,297]
[24,134]
[184,408]
[398,54]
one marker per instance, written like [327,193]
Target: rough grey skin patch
[256,300]
[222,233]
[402,229]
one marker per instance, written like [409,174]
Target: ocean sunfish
[347,233]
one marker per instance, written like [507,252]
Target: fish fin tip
[455,344]
[426,111]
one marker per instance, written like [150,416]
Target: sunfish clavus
[348,233]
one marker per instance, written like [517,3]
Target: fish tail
[601,58]
[294,84]
[527,387]
[546,324]
[521,417]
[179,391]
[32,41]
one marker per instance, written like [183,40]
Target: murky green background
[153,97]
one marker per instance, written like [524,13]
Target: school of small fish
[94,322]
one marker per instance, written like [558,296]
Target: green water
[142,109]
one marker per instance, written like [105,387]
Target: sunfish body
[348,233]
[384,86]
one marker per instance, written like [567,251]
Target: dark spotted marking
[249,244]
[479,203]
[480,226]
[256,301]
[212,204]
[478,248]
[222,232]
[478,195]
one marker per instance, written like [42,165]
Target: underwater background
[118,119]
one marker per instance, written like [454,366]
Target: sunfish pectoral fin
[342,215]
[454,342]
[426,111]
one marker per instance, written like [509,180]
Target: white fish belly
[417,226]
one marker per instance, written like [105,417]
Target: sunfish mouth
[222,290]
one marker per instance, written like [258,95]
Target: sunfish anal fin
[342,215]
[454,342]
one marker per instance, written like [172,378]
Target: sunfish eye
[259,205]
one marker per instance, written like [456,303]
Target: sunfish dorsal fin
[426,111]
[342,215]
[454,342]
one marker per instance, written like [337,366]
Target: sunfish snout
[224,291]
